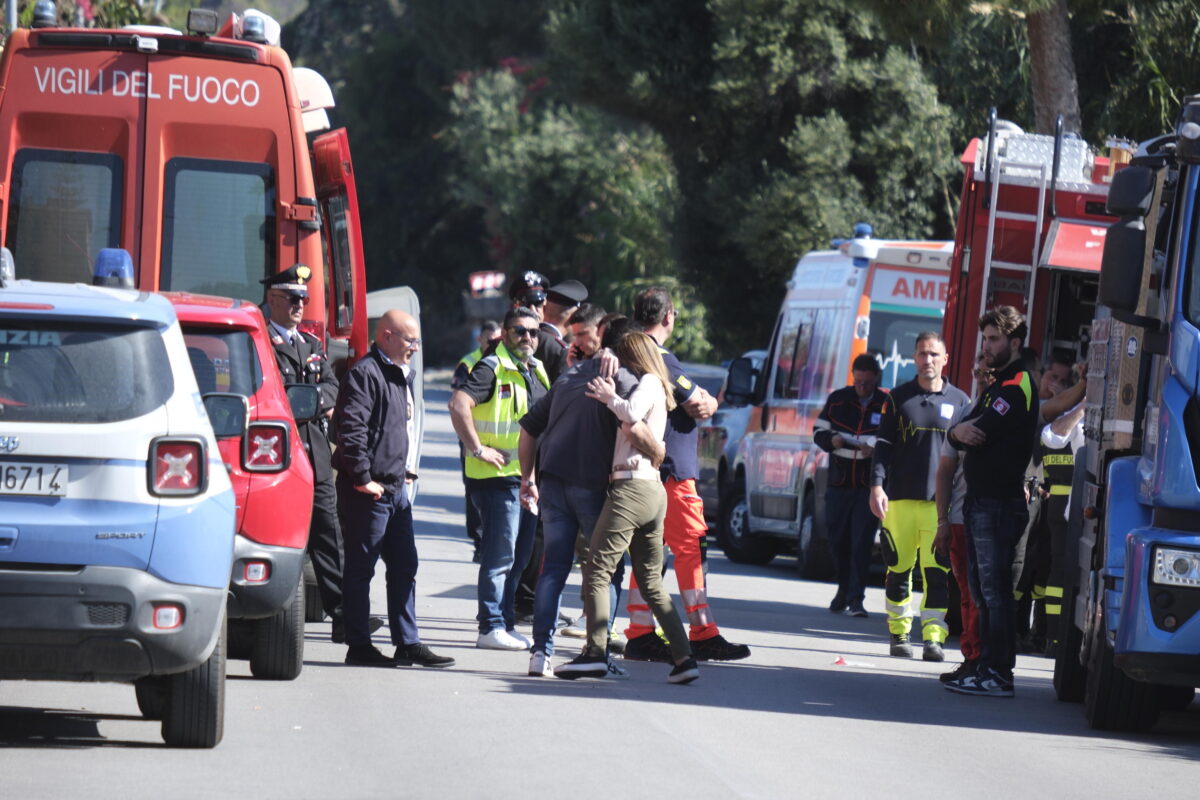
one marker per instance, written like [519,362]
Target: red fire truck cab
[189,150]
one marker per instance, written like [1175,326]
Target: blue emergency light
[114,267]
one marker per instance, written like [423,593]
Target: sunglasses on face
[523,333]
[294,299]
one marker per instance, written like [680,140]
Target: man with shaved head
[373,458]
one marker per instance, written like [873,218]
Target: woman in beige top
[632,518]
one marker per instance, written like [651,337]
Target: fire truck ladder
[1026,156]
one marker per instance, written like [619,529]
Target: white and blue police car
[116,513]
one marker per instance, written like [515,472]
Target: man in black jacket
[846,430]
[998,436]
[374,462]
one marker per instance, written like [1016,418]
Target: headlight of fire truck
[1174,567]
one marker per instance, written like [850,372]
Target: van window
[81,372]
[337,216]
[893,339]
[64,207]
[218,227]
[224,361]
[792,355]
[819,379]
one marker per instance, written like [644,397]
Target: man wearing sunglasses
[485,411]
[301,359]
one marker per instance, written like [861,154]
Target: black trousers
[325,547]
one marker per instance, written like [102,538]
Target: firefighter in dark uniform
[301,359]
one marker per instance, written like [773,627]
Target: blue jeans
[376,529]
[508,532]
[993,528]
[851,527]
[565,510]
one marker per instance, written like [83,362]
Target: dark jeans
[994,527]
[377,529]
[852,528]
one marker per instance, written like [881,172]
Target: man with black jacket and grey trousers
[374,416]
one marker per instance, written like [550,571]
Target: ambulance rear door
[72,118]
[908,285]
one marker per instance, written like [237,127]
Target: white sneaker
[499,639]
[540,666]
[615,671]
[576,630]
[520,637]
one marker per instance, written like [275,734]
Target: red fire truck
[192,151]
[1030,232]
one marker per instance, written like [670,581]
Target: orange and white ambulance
[189,150]
[866,296]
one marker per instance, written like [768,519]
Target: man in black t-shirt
[997,435]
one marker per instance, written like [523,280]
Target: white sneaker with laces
[499,639]
[520,637]
[540,666]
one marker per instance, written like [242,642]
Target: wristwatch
[477,452]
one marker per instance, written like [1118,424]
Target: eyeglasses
[294,299]
[411,341]
[523,333]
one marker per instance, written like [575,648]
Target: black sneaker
[583,665]
[857,610]
[421,655]
[901,647]
[718,649]
[838,604]
[686,672]
[933,652]
[367,656]
[965,668]
[648,647]
[984,682]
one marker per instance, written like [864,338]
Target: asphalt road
[792,721]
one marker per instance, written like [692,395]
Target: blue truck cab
[116,512]
[1132,615]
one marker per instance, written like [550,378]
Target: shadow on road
[52,727]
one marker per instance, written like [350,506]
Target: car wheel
[194,713]
[151,694]
[1112,700]
[278,649]
[1070,676]
[734,532]
[814,557]
[313,611]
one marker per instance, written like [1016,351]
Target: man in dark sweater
[903,484]
[846,430]
[998,437]
[570,438]
[374,413]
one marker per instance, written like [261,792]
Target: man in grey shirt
[573,437]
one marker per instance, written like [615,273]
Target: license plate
[33,478]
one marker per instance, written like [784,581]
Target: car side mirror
[739,387]
[227,413]
[305,400]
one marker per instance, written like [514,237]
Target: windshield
[893,340]
[218,227]
[64,208]
[224,361]
[80,372]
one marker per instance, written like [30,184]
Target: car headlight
[1176,567]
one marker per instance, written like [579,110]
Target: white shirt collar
[287,334]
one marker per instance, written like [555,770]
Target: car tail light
[167,616]
[178,466]
[265,448]
[256,572]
